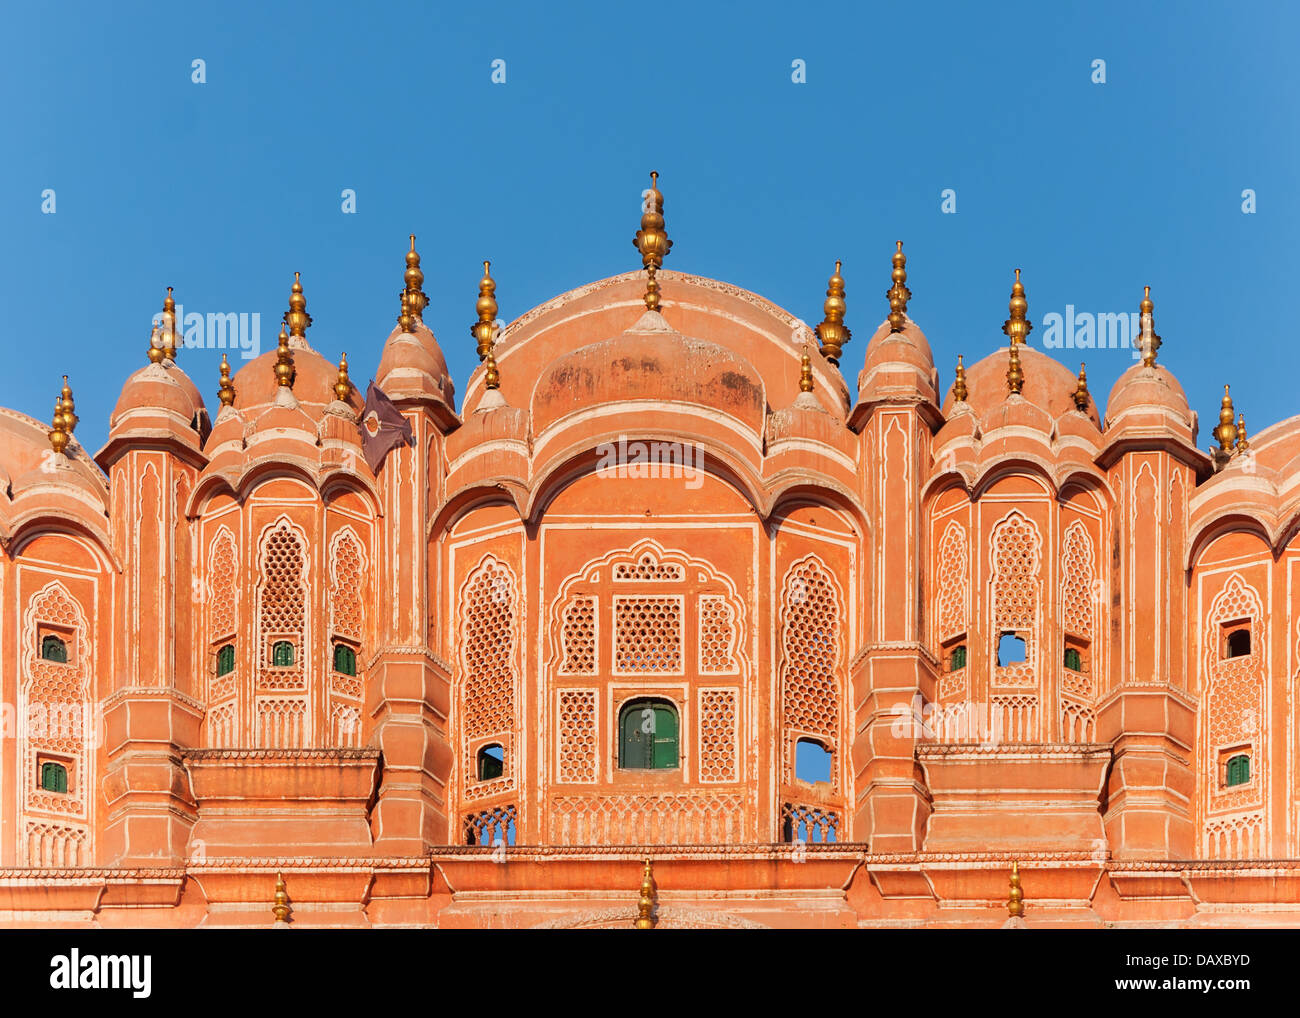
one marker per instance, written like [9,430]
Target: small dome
[313,382]
[1049,385]
[1147,387]
[898,361]
[155,387]
[413,362]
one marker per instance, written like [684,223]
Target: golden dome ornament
[484,330]
[898,294]
[832,333]
[652,240]
[226,389]
[1018,327]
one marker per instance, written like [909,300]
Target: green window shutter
[665,738]
[958,657]
[54,777]
[226,659]
[1239,770]
[648,736]
[1073,659]
[345,659]
[282,654]
[54,649]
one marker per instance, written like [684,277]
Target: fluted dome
[898,363]
[313,382]
[412,362]
[155,387]
[1143,387]
[1049,385]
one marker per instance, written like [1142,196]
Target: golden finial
[832,333]
[1015,377]
[167,333]
[898,294]
[485,328]
[805,372]
[284,358]
[1226,432]
[226,391]
[405,321]
[1148,341]
[415,300]
[344,385]
[959,392]
[491,377]
[281,907]
[70,419]
[298,320]
[1016,900]
[157,354]
[1242,443]
[64,421]
[1018,327]
[645,918]
[1081,390]
[652,240]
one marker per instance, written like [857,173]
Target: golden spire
[485,328]
[1016,900]
[645,918]
[65,419]
[405,321]
[652,241]
[1081,390]
[70,419]
[959,391]
[281,907]
[1148,341]
[1242,443]
[167,333]
[1015,377]
[414,300]
[805,372]
[491,377]
[1018,327]
[284,358]
[344,385]
[1226,432]
[156,352]
[226,391]
[832,333]
[898,294]
[297,319]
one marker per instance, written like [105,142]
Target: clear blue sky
[223,189]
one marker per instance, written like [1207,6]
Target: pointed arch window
[1238,770]
[226,659]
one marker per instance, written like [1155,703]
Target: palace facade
[659,587]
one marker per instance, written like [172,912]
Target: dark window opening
[282,654]
[1239,770]
[958,659]
[1011,649]
[345,659]
[648,736]
[812,761]
[54,777]
[1073,659]
[226,659]
[54,649]
[491,762]
[1238,644]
